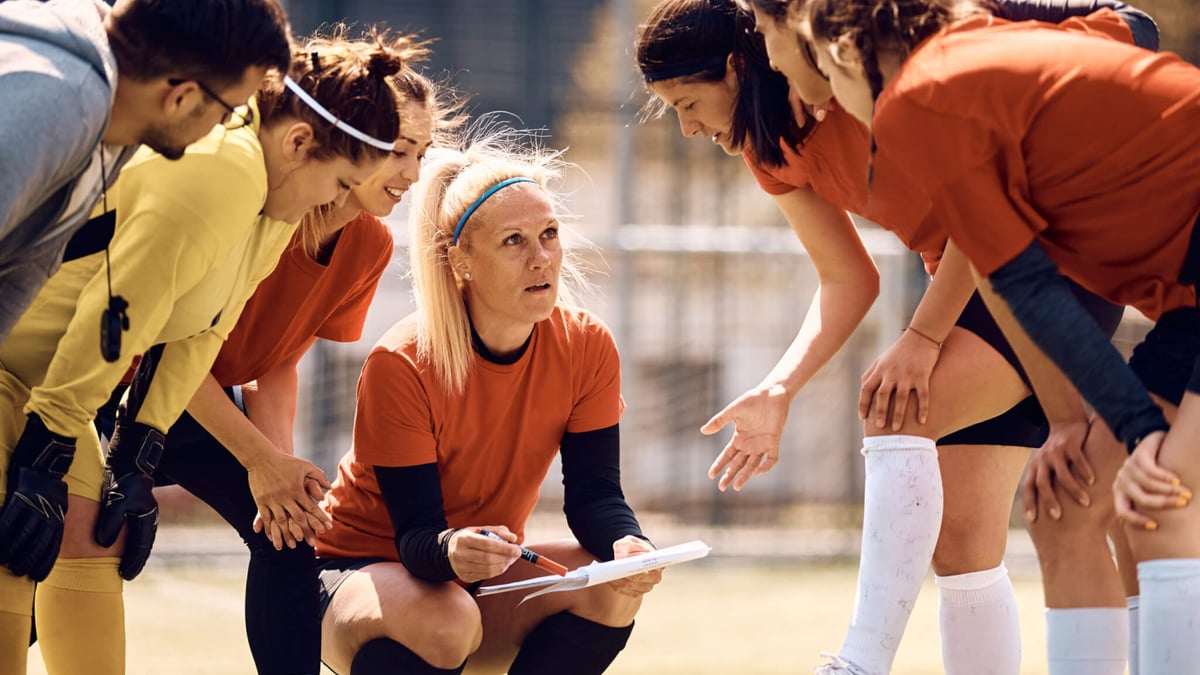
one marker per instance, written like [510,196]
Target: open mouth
[538,288]
[394,193]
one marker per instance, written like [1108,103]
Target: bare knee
[446,639]
[606,606]
[964,546]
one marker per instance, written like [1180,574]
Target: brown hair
[352,80]
[212,41]
[691,40]
[872,25]
[411,86]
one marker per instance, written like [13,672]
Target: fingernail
[1181,502]
[1185,494]
[1091,480]
[1055,513]
[1175,482]
[1086,501]
[1151,526]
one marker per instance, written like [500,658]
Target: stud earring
[467,276]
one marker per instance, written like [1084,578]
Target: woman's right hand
[287,491]
[475,557]
[887,385]
[758,417]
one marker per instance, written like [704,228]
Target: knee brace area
[96,575]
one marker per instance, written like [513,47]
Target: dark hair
[691,39]
[353,80]
[899,25]
[212,41]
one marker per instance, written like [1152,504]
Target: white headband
[346,128]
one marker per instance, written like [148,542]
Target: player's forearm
[947,295]
[214,411]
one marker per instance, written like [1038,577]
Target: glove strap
[150,451]
[40,449]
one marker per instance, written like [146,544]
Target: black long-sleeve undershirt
[1043,304]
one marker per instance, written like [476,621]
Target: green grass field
[713,616]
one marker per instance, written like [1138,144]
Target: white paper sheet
[604,572]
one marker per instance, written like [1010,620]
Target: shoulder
[400,341]
[583,334]
[369,239]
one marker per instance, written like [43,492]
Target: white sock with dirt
[902,515]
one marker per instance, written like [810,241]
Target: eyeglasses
[235,116]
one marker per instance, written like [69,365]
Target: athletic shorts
[1023,425]
[1168,360]
[332,572]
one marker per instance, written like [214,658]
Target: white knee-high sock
[1087,641]
[902,515]
[981,631]
[1169,621]
[1132,603]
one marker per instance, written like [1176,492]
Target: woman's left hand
[1142,486]
[890,382]
[638,584]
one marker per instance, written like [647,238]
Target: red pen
[529,556]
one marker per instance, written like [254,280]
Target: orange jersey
[303,299]
[493,444]
[1017,132]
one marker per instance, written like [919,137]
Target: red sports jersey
[1018,132]
[303,298]
[493,444]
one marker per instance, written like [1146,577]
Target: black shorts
[1168,360]
[1023,425]
[332,572]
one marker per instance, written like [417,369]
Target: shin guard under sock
[565,644]
[383,656]
[81,617]
[1087,640]
[1169,616]
[902,516]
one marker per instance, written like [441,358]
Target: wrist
[924,335]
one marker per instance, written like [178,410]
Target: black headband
[674,70]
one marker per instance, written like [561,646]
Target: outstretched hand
[758,417]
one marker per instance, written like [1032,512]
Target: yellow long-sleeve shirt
[189,249]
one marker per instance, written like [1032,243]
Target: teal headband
[483,198]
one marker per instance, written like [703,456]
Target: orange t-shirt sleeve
[345,324]
[768,182]
[598,404]
[392,425]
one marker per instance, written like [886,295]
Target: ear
[731,76]
[174,98]
[845,54]
[458,260]
[298,142]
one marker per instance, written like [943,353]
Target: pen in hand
[531,557]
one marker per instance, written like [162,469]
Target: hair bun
[384,63]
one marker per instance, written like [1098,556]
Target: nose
[541,257]
[412,170]
[342,195]
[688,126]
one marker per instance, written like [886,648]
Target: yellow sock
[81,617]
[16,610]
